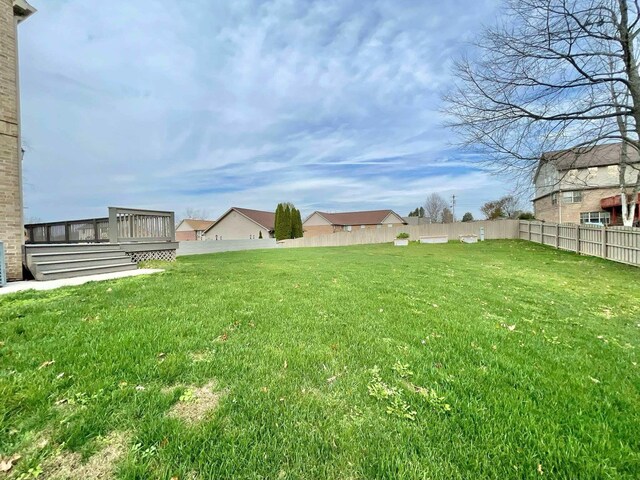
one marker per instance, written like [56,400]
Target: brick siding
[11,229]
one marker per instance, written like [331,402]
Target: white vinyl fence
[498,229]
[620,244]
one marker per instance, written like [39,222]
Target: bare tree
[511,206]
[554,75]
[194,214]
[434,205]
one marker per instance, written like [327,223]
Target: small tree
[421,212]
[447,215]
[283,222]
[492,210]
[296,224]
[467,217]
[260,234]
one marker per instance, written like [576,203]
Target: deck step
[68,247]
[82,262]
[82,271]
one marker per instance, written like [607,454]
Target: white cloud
[162,104]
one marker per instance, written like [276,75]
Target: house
[322,223]
[242,223]
[191,229]
[581,185]
[12,12]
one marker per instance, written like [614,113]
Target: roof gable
[263,219]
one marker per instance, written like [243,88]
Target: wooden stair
[52,262]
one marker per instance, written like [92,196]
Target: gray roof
[585,157]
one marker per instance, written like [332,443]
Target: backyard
[499,360]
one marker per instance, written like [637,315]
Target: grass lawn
[498,360]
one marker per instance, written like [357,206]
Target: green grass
[293,338]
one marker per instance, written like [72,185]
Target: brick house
[581,185]
[12,12]
[242,224]
[322,223]
[191,229]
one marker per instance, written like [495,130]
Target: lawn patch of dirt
[197,357]
[196,402]
[100,466]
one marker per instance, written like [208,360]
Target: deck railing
[123,225]
[132,225]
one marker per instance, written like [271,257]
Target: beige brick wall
[570,212]
[11,230]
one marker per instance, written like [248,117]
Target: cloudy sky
[330,104]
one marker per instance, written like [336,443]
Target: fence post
[603,249]
[113,225]
[577,238]
[529,231]
[557,235]
[67,232]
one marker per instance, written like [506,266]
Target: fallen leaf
[264,389]
[540,469]
[46,364]
[6,464]
[139,388]
[332,379]
[285,364]
[60,375]
[594,380]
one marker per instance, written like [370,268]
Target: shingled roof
[264,219]
[585,157]
[367,217]
[199,225]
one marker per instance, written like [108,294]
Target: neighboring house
[581,185]
[12,12]
[242,224]
[190,229]
[322,223]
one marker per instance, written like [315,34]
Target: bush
[402,236]
[526,216]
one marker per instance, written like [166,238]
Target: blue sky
[332,105]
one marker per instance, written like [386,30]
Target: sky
[333,105]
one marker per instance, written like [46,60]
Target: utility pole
[453,207]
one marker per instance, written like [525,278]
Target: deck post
[172,226]
[113,225]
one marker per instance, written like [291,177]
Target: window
[554,199]
[362,226]
[572,197]
[347,228]
[595,217]
[390,225]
